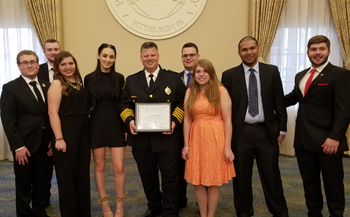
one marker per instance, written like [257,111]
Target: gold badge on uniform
[168,90]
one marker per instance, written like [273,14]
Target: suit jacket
[182,78]
[22,117]
[272,99]
[44,72]
[324,112]
[136,90]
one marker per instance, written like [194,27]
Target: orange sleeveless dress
[206,164]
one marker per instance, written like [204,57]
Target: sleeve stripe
[126,113]
[179,114]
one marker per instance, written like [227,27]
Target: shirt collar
[50,67]
[320,68]
[155,73]
[186,73]
[255,67]
[28,80]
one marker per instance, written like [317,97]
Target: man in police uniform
[153,150]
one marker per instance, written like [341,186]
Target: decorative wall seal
[156,19]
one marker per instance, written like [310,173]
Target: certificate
[153,117]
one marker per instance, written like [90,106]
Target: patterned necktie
[253,106]
[38,94]
[308,82]
[189,75]
[151,82]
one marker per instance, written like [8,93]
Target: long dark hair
[66,88]
[95,88]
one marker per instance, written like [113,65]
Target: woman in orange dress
[207,137]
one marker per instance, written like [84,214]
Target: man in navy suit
[322,92]
[189,56]
[51,49]
[26,123]
[259,120]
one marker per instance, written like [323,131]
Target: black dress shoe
[151,213]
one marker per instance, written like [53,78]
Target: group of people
[216,130]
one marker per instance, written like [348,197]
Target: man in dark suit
[155,151]
[259,121]
[322,92]
[51,49]
[189,56]
[26,123]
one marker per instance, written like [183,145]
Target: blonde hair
[212,91]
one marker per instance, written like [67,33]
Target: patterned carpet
[136,201]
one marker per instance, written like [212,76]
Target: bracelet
[184,149]
[58,139]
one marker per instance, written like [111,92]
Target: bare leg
[99,163]
[213,199]
[202,199]
[118,155]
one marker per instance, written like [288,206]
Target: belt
[255,124]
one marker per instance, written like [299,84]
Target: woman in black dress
[68,104]
[104,86]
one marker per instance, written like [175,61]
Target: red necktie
[308,82]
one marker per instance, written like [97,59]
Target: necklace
[75,85]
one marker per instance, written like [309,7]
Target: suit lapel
[322,74]
[24,86]
[159,80]
[143,81]
[44,88]
[297,82]
[182,77]
[242,82]
[264,80]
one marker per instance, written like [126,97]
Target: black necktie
[253,105]
[189,75]
[38,94]
[151,82]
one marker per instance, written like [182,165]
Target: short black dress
[106,125]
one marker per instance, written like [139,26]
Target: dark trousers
[149,164]
[254,141]
[331,166]
[32,182]
[73,169]
[182,183]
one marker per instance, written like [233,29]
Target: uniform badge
[168,90]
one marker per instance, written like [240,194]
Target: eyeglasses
[26,63]
[189,55]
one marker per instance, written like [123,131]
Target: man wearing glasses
[190,56]
[26,123]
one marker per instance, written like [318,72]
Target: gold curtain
[46,16]
[340,11]
[264,16]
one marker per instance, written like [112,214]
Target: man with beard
[322,92]
[259,120]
